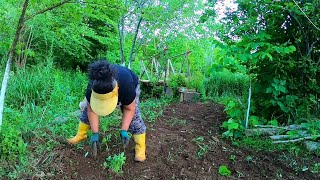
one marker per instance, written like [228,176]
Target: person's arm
[128,113]
[93,119]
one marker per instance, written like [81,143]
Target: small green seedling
[203,150]
[224,171]
[115,162]
[233,158]
[203,147]
[198,139]
[249,159]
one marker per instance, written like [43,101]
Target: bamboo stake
[249,101]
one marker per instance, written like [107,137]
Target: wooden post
[167,70]
[172,68]
[188,63]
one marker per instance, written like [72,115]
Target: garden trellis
[159,67]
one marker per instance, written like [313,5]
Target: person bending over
[111,85]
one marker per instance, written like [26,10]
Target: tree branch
[134,40]
[47,9]
[104,5]
[306,15]
[311,47]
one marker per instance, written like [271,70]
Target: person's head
[104,96]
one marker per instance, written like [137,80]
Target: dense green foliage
[278,44]
[275,43]
[72,35]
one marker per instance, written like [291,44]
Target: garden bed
[184,143]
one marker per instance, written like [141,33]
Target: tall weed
[226,84]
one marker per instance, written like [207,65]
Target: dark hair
[102,76]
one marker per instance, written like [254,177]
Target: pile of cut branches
[288,134]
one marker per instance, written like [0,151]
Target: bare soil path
[184,143]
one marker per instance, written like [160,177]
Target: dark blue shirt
[127,83]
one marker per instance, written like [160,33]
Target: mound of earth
[184,143]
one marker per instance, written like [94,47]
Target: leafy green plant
[12,145]
[176,81]
[234,125]
[115,162]
[224,171]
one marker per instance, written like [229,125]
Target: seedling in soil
[170,157]
[106,140]
[198,139]
[203,150]
[233,158]
[305,168]
[203,147]
[224,171]
[240,174]
[249,159]
[115,162]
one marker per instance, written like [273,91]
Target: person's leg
[138,130]
[83,128]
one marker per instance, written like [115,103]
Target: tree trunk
[121,36]
[10,57]
[134,41]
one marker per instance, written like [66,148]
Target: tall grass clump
[36,98]
[224,84]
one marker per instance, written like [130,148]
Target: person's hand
[94,138]
[124,137]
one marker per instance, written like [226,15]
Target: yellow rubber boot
[81,135]
[140,148]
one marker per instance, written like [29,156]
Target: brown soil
[172,153]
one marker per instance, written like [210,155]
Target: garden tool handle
[94,140]
[124,138]
[95,150]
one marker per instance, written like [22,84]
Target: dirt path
[173,152]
